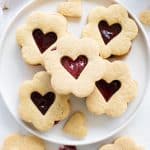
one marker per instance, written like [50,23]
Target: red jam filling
[109,32]
[44,41]
[67,147]
[108,89]
[43,103]
[74,67]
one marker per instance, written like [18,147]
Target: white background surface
[139,128]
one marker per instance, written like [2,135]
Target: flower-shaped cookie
[76,126]
[39,103]
[112,29]
[113,91]
[71,8]
[123,143]
[40,32]
[19,142]
[74,66]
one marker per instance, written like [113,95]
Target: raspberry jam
[109,32]
[44,41]
[67,147]
[108,89]
[43,103]
[74,67]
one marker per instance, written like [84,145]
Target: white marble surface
[139,128]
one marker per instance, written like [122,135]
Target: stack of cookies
[79,67]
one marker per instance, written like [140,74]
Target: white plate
[14,71]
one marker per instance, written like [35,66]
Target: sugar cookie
[112,28]
[39,103]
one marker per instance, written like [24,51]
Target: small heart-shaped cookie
[71,8]
[145,17]
[76,126]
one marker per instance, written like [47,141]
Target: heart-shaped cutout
[74,67]
[108,89]
[109,32]
[44,41]
[43,103]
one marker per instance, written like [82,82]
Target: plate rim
[113,133]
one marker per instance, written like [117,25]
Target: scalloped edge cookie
[120,44]
[73,47]
[29,112]
[117,103]
[46,22]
